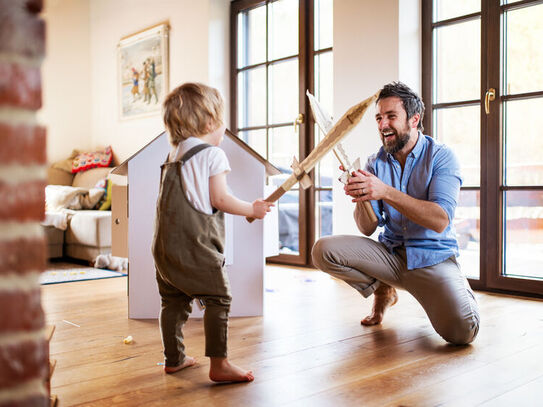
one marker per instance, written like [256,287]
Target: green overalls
[188,247]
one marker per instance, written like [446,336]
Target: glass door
[281,49]
[483,73]
[518,104]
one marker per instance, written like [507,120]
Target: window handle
[489,97]
[299,120]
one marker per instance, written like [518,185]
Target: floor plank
[307,349]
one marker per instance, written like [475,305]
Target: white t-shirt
[197,170]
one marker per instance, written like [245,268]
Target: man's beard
[400,142]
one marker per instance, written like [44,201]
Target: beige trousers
[441,289]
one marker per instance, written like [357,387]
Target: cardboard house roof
[122,169]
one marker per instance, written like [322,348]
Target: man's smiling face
[394,128]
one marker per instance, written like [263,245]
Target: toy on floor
[107,261]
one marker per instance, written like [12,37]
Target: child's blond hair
[192,110]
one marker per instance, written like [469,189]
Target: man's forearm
[425,213]
[363,221]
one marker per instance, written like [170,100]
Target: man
[413,184]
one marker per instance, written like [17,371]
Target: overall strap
[192,151]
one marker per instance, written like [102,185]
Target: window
[483,87]
[281,49]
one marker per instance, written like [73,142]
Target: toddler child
[188,243]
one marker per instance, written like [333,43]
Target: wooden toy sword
[343,126]
[324,121]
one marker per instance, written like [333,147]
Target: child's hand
[260,208]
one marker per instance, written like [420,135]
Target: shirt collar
[417,150]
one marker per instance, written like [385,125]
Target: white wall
[375,42]
[66,74]
[88,34]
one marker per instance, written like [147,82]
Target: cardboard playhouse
[135,191]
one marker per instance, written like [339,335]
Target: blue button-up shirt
[431,173]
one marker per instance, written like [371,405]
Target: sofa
[87,232]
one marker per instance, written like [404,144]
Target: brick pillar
[24,355]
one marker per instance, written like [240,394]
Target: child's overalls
[188,247]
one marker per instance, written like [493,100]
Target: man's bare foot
[189,361]
[384,297]
[221,370]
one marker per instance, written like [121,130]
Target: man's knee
[321,252]
[462,332]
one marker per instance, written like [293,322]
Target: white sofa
[88,233]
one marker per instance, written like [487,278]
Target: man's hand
[364,186]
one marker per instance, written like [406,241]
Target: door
[280,49]
[483,76]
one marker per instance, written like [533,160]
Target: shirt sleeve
[218,162]
[446,180]
[376,205]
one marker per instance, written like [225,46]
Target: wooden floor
[308,350]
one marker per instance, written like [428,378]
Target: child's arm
[223,201]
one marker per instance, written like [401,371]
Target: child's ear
[209,126]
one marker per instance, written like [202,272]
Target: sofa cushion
[56,176]
[89,178]
[86,161]
[66,164]
[90,228]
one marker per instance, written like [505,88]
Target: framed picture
[143,71]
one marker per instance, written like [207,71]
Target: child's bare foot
[384,297]
[189,361]
[221,370]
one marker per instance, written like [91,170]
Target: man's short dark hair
[412,103]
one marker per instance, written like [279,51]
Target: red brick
[22,144]
[21,311]
[22,201]
[22,255]
[30,401]
[22,31]
[23,361]
[20,86]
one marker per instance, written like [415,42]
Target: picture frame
[143,71]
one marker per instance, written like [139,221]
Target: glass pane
[459,128]
[256,139]
[323,214]
[283,146]
[445,9]
[524,234]
[323,23]
[523,50]
[252,97]
[283,96]
[324,94]
[523,142]
[283,29]
[468,227]
[289,231]
[252,37]
[327,168]
[324,80]
[458,62]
